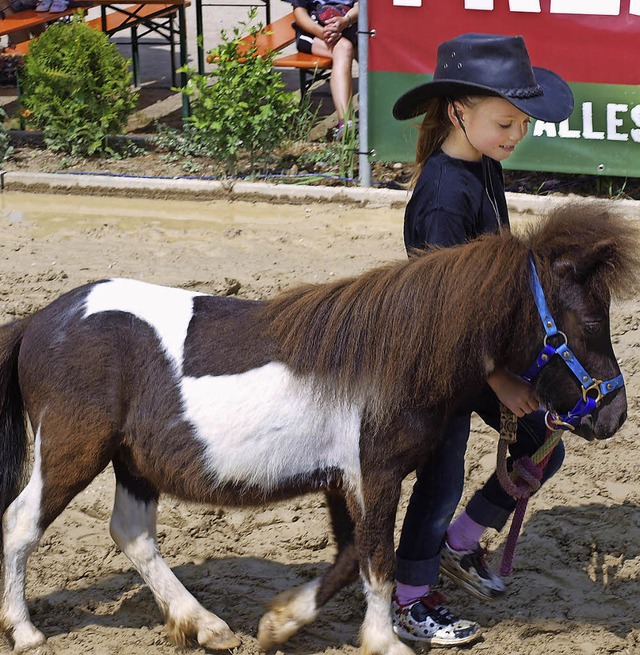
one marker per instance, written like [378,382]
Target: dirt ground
[576,586]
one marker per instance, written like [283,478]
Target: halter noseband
[592,390]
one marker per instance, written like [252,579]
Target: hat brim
[554,105]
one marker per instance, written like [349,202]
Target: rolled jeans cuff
[486,513]
[418,572]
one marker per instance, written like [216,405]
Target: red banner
[594,41]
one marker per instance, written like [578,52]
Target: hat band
[524,92]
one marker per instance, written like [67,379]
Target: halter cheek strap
[592,390]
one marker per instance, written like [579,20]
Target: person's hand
[513,392]
[332,32]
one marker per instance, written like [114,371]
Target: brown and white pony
[340,387]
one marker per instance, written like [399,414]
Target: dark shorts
[304,39]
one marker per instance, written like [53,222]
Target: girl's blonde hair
[435,128]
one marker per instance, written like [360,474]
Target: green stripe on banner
[602,136]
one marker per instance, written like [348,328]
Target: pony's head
[588,256]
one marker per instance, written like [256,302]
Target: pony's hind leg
[21,534]
[133,528]
[67,457]
[294,608]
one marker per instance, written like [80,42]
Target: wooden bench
[124,17]
[275,37]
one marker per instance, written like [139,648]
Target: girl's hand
[513,392]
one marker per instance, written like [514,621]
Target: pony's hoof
[289,611]
[275,627]
[223,639]
[268,635]
[27,639]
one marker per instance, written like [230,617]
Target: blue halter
[592,390]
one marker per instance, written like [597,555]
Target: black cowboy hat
[491,64]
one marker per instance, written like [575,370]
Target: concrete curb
[194,189]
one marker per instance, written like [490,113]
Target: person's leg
[491,506]
[418,612]
[341,80]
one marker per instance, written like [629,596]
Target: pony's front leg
[374,541]
[133,528]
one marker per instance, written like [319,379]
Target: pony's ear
[583,264]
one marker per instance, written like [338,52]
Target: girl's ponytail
[434,130]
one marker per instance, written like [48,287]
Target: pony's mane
[414,332]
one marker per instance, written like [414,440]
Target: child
[477,109]
[329,29]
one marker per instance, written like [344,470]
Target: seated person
[329,29]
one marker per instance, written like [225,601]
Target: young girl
[329,29]
[477,109]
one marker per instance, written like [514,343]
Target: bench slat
[303,60]
[25,20]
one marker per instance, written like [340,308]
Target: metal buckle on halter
[596,386]
[553,422]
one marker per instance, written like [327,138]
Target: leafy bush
[5,140]
[76,88]
[241,108]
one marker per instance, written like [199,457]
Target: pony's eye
[592,328]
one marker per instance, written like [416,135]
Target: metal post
[182,26]
[200,36]
[363,94]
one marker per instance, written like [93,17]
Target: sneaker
[469,570]
[342,128]
[428,620]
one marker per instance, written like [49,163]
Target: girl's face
[494,127]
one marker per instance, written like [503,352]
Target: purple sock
[407,594]
[464,533]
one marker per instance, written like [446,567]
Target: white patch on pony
[489,365]
[168,311]
[376,634]
[21,534]
[266,425]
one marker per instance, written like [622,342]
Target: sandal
[58,6]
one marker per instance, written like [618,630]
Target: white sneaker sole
[436,641]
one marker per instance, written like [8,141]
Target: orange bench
[125,17]
[275,37]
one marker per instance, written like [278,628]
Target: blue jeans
[439,483]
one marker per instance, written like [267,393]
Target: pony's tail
[13,427]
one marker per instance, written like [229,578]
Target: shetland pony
[341,388]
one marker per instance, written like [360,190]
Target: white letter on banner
[486,5]
[634,7]
[635,117]
[614,122]
[566,133]
[547,129]
[407,3]
[586,7]
[587,123]
[530,6]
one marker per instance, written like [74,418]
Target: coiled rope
[523,480]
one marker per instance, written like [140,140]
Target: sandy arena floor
[576,588]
